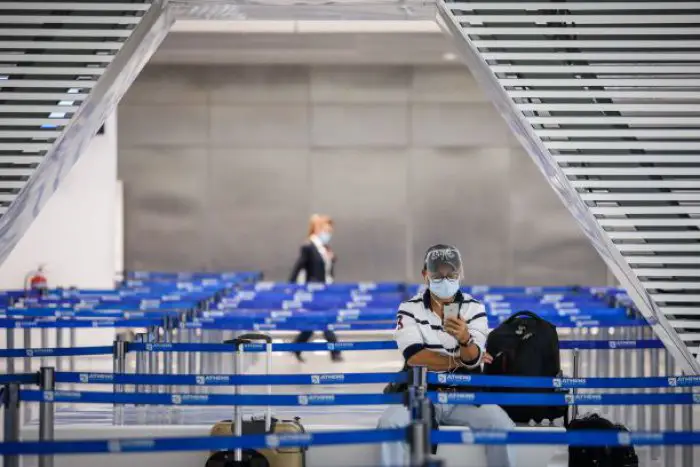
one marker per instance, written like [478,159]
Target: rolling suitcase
[277,457]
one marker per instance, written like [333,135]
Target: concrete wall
[222,166]
[74,235]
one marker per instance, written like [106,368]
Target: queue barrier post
[576,374]
[44,343]
[655,410]
[60,344]
[11,422]
[27,364]
[182,357]
[670,422]
[168,333]
[152,366]
[72,343]
[419,408]
[237,413]
[47,382]
[119,366]
[10,339]
[687,425]
[141,361]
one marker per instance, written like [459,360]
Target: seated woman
[452,344]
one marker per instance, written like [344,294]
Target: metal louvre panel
[675,196]
[55,19]
[681,310]
[587,44]
[644,210]
[673,285]
[65,44]
[59,85]
[606,159]
[633,120]
[574,6]
[604,93]
[52,55]
[54,58]
[41,96]
[36,108]
[607,31]
[33,122]
[20,159]
[580,19]
[597,57]
[37,32]
[118,7]
[35,70]
[607,94]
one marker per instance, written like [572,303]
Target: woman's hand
[487,358]
[457,328]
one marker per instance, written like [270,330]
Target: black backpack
[600,456]
[526,345]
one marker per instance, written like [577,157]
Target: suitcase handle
[249,337]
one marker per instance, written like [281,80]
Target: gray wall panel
[154,125]
[257,208]
[223,165]
[373,125]
[445,85]
[366,193]
[259,126]
[449,125]
[158,85]
[164,203]
[360,85]
[459,199]
[245,85]
[549,243]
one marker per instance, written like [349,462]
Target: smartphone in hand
[451,310]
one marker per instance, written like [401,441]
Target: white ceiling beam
[304,27]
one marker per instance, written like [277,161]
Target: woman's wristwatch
[474,361]
[469,342]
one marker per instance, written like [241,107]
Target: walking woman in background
[316,262]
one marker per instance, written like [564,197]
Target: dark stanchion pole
[119,366]
[140,338]
[27,369]
[576,374]
[419,407]
[10,400]
[687,422]
[47,382]
[10,338]
[670,451]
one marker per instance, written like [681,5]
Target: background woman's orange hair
[316,221]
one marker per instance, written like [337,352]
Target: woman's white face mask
[444,288]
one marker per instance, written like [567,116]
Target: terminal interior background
[232,136]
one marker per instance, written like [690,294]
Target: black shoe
[299,358]
[336,357]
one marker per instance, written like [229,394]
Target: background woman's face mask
[325,237]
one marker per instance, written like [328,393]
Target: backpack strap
[519,314]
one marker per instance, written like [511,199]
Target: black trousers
[305,336]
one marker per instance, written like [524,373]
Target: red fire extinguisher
[37,282]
